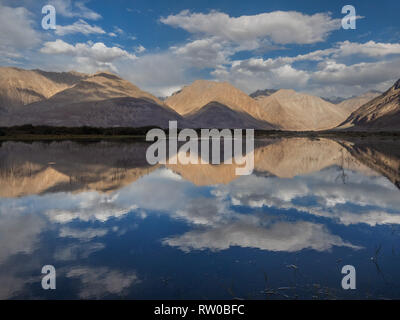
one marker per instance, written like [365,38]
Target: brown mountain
[100,86]
[21,87]
[290,110]
[382,113]
[352,104]
[192,98]
[100,100]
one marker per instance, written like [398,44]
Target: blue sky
[163,45]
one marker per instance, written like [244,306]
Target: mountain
[100,86]
[352,104]
[117,112]
[381,113]
[334,99]
[262,93]
[217,115]
[290,110]
[192,98]
[99,100]
[21,87]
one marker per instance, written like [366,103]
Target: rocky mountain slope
[21,87]
[381,113]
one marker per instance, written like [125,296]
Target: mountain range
[104,99]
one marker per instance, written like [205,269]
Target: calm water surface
[117,228]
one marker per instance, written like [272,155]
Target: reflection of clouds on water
[97,282]
[370,200]
[10,285]
[87,206]
[19,232]
[279,236]
[82,235]
[77,251]
[212,211]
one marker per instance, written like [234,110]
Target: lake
[115,227]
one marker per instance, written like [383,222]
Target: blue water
[165,233]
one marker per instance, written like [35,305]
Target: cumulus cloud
[282,27]
[359,74]
[89,56]
[331,73]
[204,53]
[369,49]
[17,32]
[80,26]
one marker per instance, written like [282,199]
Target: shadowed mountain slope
[217,115]
[381,113]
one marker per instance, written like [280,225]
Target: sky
[163,45]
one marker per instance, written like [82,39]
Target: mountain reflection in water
[115,227]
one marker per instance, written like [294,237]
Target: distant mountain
[262,93]
[334,99]
[99,100]
[217,115]
[294,111]
[381,113]
[21,87]
[352,104]
[100,86]
[199,94]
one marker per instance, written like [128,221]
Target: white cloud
[204,53]
[118,30]
[74,9]
[89,57]
[80,26]
[359,74]
[282,27]
[139,49]
[329,75]
[17,33]
[159,73]
[370,49]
